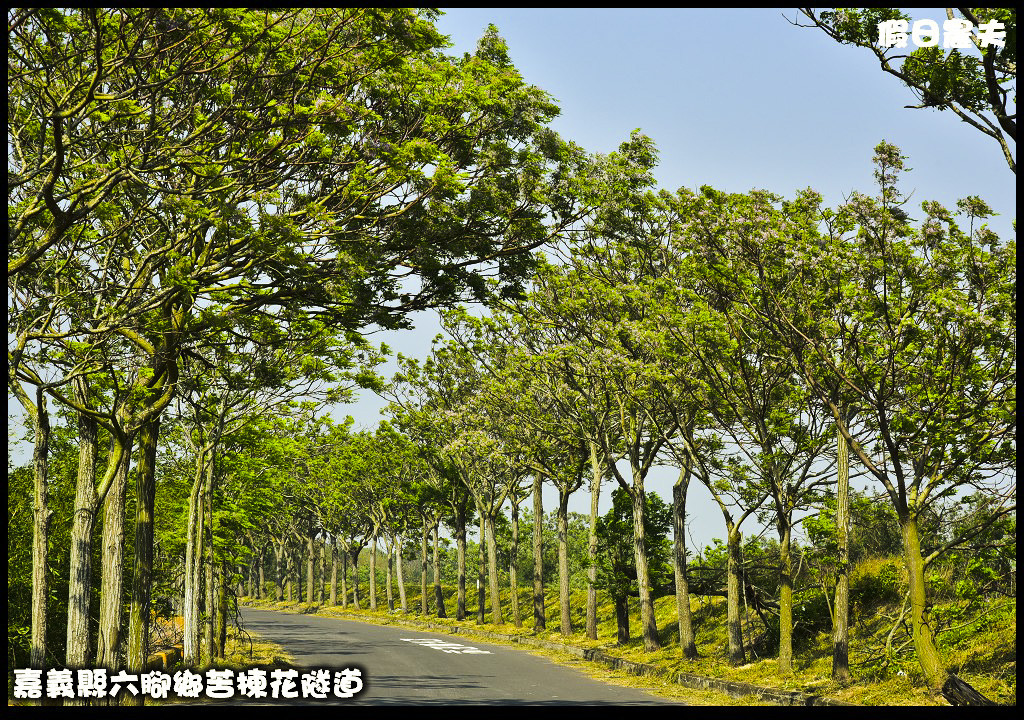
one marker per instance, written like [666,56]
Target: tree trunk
[563,563]
[139,614]
[954,689]
[785,594]
[424,532]
[248,582]
[310,569]
[733,621]
[480,565]
[647,618]
[322,592]
[539,616]
[193,551]
[82,526]
[222,612]
[513,575]
[595,493]
[460,544]
[288,562]
[622,620]
[438,594]
[334,572]
[387,586]
[492,572]
[841,630]
[921,631]
[401,575]
[40,526]
[112,568]
[687,638]
[373,572]
[299,585]
[279,571]
[957,692]
[355,577]
[209,644]
[344,579]
[260,577]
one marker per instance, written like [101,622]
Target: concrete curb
[165,658]
[732,689]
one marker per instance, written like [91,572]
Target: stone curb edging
[165,658]
[728,687]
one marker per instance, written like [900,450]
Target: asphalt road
[409,667]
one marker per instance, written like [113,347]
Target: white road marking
[447,647]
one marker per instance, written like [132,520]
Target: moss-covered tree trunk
[424,535]
[785,593]
[480,566]
[344,579]
[222,612]
[373,572]
[288,580]
[112,567]
[139,613]
[261,588]
[460,551]
[539,617]
[438,594]
[621,619]
[321,570]
[355,576]
[297,570]
[310,568]
[388,587]
[841,630]
[82,525]
[492,572]
[643,581]
[513,575]
[733,587]
[939,679]
[209,626]
[279,570]
[920,625]
[687,639]
[595,494]
[563,563]
[334,572]
[400,574]
[40,524]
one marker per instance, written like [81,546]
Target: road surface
[401,666]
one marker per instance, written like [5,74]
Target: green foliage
[578,538]
[978,84]
[876,583]
[616,568]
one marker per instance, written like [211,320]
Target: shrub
[877,581]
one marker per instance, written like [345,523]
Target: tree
[617,565]
[922,346]
[173,170]
[976,90]
[529,406]
[760,404]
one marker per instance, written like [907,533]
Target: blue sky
[735,99]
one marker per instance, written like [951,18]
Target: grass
[242,650]
[979,644]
